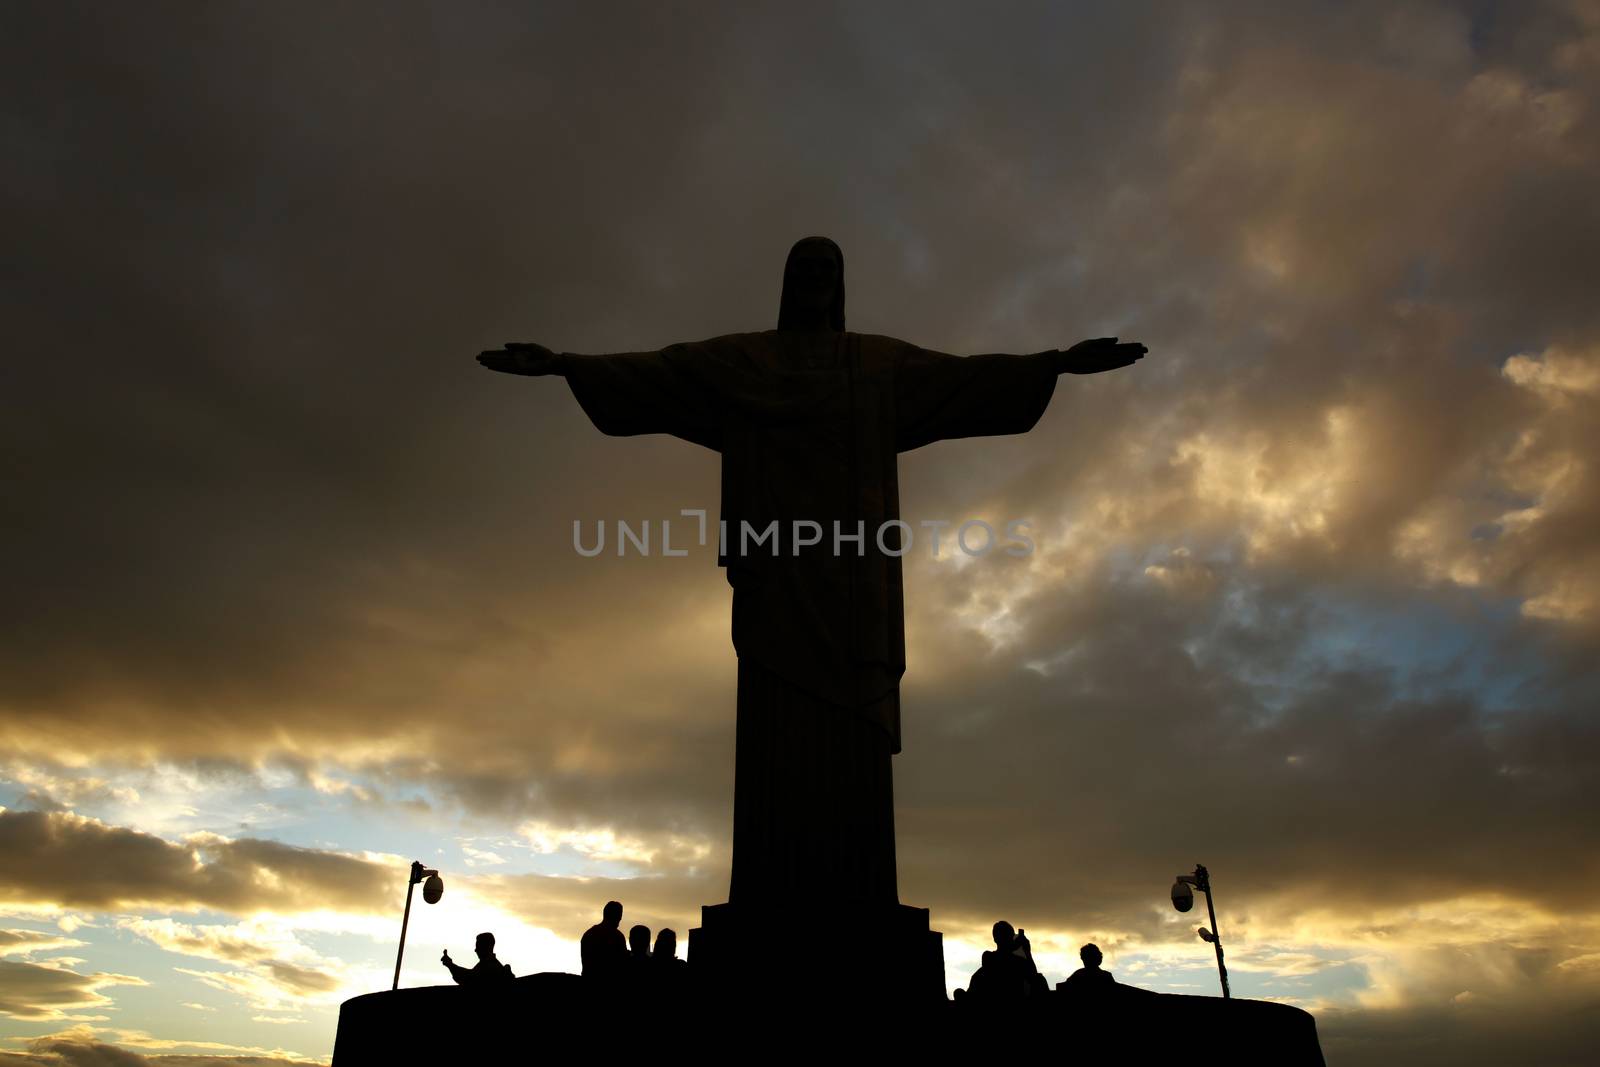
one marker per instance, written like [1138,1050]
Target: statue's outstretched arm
[630,392]
[940,396]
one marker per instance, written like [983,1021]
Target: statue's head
[485,946]
[813,287]
[639,939]
[666,944]
[613,912]
[1004,934]
[1090,955]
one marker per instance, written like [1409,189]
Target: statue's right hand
[517,358]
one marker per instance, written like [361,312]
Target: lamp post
[431,892]
[1183,900]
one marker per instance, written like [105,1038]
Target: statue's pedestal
[531,1018]
[883,952]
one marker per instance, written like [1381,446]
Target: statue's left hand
[1099,354]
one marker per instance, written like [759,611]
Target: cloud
[49,791]
[477,857]
[227,944]
[606,845]
[569,906]
[80,1048]
[71,861]
[36,991]
[274,985]
[278,969]
[83,1039]
[27,942]
[1464,1034]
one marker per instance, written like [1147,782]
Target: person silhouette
[1007,972]
[664,961]
[602,948]
[638,953]
[488,971]
[667,976]
[1088,979]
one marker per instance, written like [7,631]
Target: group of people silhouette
[1008,972]
[608,958]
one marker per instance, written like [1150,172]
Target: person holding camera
[488,971]
[1008,971]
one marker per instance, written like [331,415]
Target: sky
[290,591]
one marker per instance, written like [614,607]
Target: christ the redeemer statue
[809,420]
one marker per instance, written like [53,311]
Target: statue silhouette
[488,971]
[809,420]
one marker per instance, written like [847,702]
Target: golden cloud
[70,861]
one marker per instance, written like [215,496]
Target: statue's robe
[809,424]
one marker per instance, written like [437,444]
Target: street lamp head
[1182,895]
[433,888]
[1206,935]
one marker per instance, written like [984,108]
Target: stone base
[531,1018]
[880,952]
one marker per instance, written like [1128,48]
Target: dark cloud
[301,980]
[1143,748]
[77,862]
[65,1052]
[1564,1033]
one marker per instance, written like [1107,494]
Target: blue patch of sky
[1122,563]
[157,1008]
[1338,979]
[1493,348]
[1425,280]
[1164,975]
[1434,643]
[1439,647]
[1483,15]
[1417,280]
